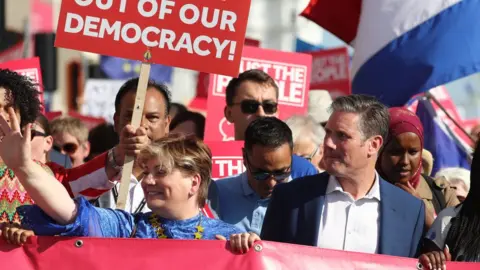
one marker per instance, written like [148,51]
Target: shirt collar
[247,190]
[373,193]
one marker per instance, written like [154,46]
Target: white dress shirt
[134,198]
[348,224]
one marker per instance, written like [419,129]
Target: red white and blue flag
[403,47]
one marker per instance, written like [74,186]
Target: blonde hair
[304,127]
[455,173]
[70,125]
[186,153]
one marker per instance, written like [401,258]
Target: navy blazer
[293,216]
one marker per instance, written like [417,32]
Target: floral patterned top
[13,194]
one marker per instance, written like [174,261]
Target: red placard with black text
[204,35]
[291,72]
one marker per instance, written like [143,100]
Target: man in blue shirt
[243,199]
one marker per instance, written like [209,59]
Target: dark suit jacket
[293,216]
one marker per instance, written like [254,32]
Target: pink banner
[102,253]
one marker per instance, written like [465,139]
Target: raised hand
[15,148]
[132,141]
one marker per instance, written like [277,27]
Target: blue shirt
[98,222]
[234,201]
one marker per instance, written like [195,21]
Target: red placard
[13,53]
[227,158]
[27,67]
[331,71]
[203,78]
[291,71]
[204,35]
[46,253]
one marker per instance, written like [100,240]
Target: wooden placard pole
[136,120]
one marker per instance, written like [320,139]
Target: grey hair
[455,173]
[306,127]
[374,116]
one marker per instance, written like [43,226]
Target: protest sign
[203,78]
[99,98]
[331,71]
[227,158]
[27,67]
[204,35]
[13,53]
[291,72]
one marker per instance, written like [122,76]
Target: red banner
[291,71]
[331,71]
[46,253]
[27,67]
[204,35]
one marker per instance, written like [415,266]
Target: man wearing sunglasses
[252,95]
[267,155]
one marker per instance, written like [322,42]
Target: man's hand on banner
[132,141]
[14,234]
[15,148]
[241,243]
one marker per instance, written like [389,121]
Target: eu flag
[123,69]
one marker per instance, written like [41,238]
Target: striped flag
[403,47]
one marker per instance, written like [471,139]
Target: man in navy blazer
[349,207]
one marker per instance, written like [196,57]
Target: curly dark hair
[21,93]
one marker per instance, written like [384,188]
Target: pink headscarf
[403,121]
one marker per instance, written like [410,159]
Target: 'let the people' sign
[204,35]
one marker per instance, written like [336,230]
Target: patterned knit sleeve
[90,221]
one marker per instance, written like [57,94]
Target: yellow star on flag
[127,67]
[199,228]
[198,235]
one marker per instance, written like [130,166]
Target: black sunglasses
[249,106]
[35,133]
[278,176]
[69,148]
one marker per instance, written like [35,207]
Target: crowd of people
[350,175]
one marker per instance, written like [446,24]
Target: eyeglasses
[278,176]
[310,157]
[249,106]
[35,133]
[69,148]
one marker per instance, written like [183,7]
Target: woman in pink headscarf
[400,163]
